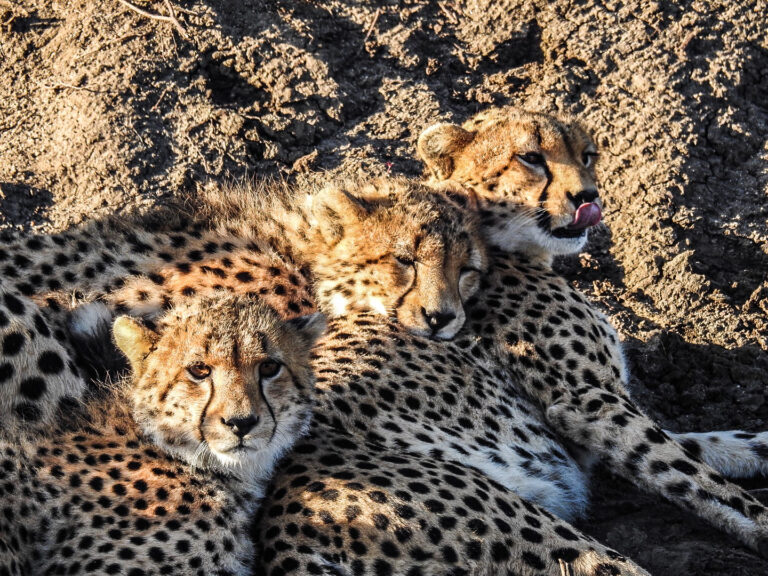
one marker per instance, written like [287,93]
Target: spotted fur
[558,349]
[164,475]
[422,460]
[530,173]
[282,244]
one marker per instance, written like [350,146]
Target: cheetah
[422,460]
[530,461]
[564,354]
[533,175]
[282,244]
[163,476]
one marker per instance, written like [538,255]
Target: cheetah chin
[255,461]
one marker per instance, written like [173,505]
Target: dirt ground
[102,108]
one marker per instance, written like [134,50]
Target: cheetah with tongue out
[165,474]
[533,178]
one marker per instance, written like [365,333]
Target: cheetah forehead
[221,325]
[527,130]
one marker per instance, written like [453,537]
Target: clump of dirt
[102,108]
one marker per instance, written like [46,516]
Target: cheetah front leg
[612,428]
[733,453]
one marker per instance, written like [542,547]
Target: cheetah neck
[273,218]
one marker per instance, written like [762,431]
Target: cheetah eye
[199,370]
[404,260]
[531,159]
[589,158]
[270,368]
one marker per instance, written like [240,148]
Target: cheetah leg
[636,448]
[37,372]
[733,453]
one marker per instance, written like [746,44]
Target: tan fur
[155,477]
[410,257]
[286,245]
[524,206]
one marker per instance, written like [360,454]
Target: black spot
[556,351]
[499,552]
[533,560]
[684,467]
[594,405]
[14,304]
[50,363]
[692,447]
[32,388]
[12,343]
[655,435]
[565,554]
[564,532]
[531,535]
[6,372]
[390,549]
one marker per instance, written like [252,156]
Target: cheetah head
[395,247]
[223,383]
[534,176]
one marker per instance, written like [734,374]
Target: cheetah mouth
[587,215]
[567,233]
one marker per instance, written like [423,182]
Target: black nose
[241,426]
[584,197]
[437,320]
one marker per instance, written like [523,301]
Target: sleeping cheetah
[566,356]
[269,240]
[164,475]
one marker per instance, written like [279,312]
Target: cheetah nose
[437,320]
[584,197]
[241,426]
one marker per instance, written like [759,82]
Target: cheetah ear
[309,328]
[334,206]
[438,145]
[135,340]
[464,197]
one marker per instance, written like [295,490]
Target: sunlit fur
[388,245]
[232,336]
[400,249]
[523,206]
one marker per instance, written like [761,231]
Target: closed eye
[531,159]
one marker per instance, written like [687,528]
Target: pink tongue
[587,215]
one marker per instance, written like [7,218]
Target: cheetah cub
[164,476]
